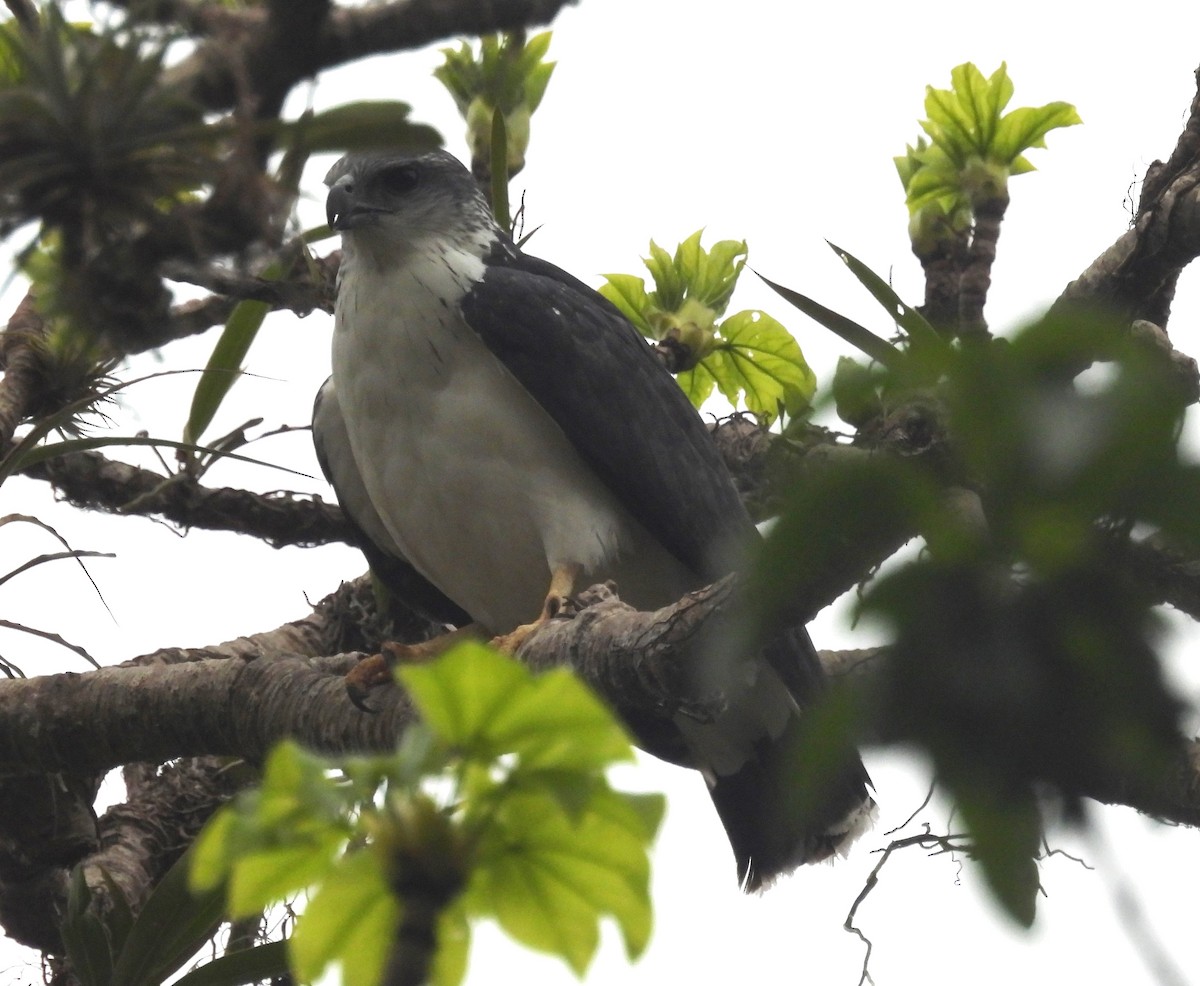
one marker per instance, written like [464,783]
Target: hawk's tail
[783,799]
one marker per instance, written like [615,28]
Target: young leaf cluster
[508,76]
[973,147]
[748,356]
[496,805]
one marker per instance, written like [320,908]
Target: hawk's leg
[376,670]
[562,585]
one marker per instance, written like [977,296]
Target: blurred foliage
[495,806]
[749,356]
[974,147]
[507,76]
[95,150]
[87,134]
[360,126]
[1022,655]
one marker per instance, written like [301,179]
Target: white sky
[777,126]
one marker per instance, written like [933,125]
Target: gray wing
[332,445]
[583,361]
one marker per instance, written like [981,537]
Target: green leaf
[669,285]
[855,392]
[557,723]
[213,851]
[507,76]
[536,48]
[922,335]
[1027,127]
[351,920]
[484,702]
[826,526]
[710,276]
[963,119]
[260,879]
[278,839]
[364,125]
[688,259]
[225,364]
[449,966]
[241,968]
[536,84]
[549,879]
[763,361]
[1006,830]
[459,693]
[698,382]
[172,925]
[84,935]
[646,810]
[628,293]
[860,338]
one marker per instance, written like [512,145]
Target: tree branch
[1136,275]
[240,49]
[301,295]
[92,481]
[240,697]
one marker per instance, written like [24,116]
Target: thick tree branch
[241,697]
[1136,275]
[216,707]
[1165,574]
[240,50]
[238,698]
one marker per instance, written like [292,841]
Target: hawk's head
[390,201]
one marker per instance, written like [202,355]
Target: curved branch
[1136,276]
[240,49]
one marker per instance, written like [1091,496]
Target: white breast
[475,482]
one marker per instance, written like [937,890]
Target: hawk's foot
[558,603]
[376,670]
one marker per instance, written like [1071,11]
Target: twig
[26,519]
[943,843]
[55,556]
[54,637]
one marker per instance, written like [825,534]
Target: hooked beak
[343,211]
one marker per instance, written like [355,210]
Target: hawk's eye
[399,178]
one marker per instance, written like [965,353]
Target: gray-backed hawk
[498,429]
